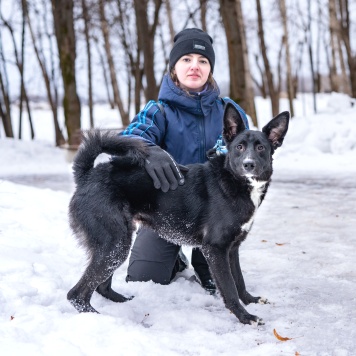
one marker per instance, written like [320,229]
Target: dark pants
[153,258]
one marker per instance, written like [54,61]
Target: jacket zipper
[202,146]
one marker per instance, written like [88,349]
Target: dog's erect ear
[233,123]
[277,128]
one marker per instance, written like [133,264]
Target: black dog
[214,209]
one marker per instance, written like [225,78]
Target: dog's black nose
[249,165]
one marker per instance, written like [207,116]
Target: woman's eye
[203,61]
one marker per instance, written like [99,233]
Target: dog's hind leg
[217,257]
[244,296]
[98,274]
[107,292]
[108,240]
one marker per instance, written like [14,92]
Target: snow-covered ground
[300,255]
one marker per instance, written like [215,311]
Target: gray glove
[163,169]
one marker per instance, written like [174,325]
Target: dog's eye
[239,147]
[260,148]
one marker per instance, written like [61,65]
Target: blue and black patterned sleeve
[148,124]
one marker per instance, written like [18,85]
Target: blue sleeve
[148,124]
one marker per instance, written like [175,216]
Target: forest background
[69,53]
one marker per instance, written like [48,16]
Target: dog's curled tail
[95,142]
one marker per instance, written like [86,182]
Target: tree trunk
[5,112]
[311,61]
[5,105]
[19,60]
[288,60]
[138,73]
[146,35]
[318,44]
[86,19]
[346,37]
[345,82]
[62,11]
[105,76]
[23,89]
[116,91]
[59,138]
[241,84]
[274,94]
[133,63]
[170,20]
[20,65]
[203,9]
[333,38]
[261,86]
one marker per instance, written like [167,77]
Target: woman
[186,123]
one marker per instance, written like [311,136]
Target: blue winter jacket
[189,126]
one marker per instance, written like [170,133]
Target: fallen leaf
[279,337]
[281,244]
[264,241]
[12,317]
[297,353]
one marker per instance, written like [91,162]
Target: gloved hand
[163,169]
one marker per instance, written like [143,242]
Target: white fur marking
[257,190]
[102,158]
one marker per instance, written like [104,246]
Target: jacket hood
[195,103]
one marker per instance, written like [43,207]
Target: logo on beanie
[196,45]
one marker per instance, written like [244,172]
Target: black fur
[214,209]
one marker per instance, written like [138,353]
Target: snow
[299,254]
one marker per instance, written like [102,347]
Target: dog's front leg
[244,296]
[218,260]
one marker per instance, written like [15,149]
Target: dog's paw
[247,299]
[82,307]
[257,322]
[263,300]
[251,319]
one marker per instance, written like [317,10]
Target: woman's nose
[194,63]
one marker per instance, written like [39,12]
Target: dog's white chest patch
[256,193]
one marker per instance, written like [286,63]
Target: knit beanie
[192,40]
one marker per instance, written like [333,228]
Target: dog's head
[249,151]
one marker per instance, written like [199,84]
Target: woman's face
[192,71]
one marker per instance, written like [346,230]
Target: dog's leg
[217,257]
[109,247]
[98,273]
[106,291]
[244,296]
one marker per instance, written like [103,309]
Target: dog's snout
[249,165]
